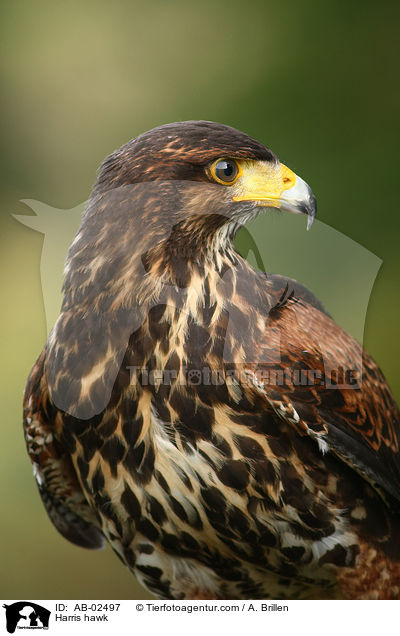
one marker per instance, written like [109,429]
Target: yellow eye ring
[225,171]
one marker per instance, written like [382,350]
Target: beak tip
[300,199]
[311,210]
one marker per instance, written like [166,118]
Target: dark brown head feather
[176,151]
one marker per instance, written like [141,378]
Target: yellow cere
[263,181]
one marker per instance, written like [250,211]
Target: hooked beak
[276,186]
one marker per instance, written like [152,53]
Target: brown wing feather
[55,475]
[286,288]
[355,415]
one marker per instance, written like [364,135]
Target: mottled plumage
[211,422]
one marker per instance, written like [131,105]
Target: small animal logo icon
[26,615]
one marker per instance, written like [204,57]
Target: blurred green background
[315,81]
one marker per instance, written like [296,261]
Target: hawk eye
[225,171]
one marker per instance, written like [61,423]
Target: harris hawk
[210,421]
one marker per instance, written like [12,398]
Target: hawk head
[222,178]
